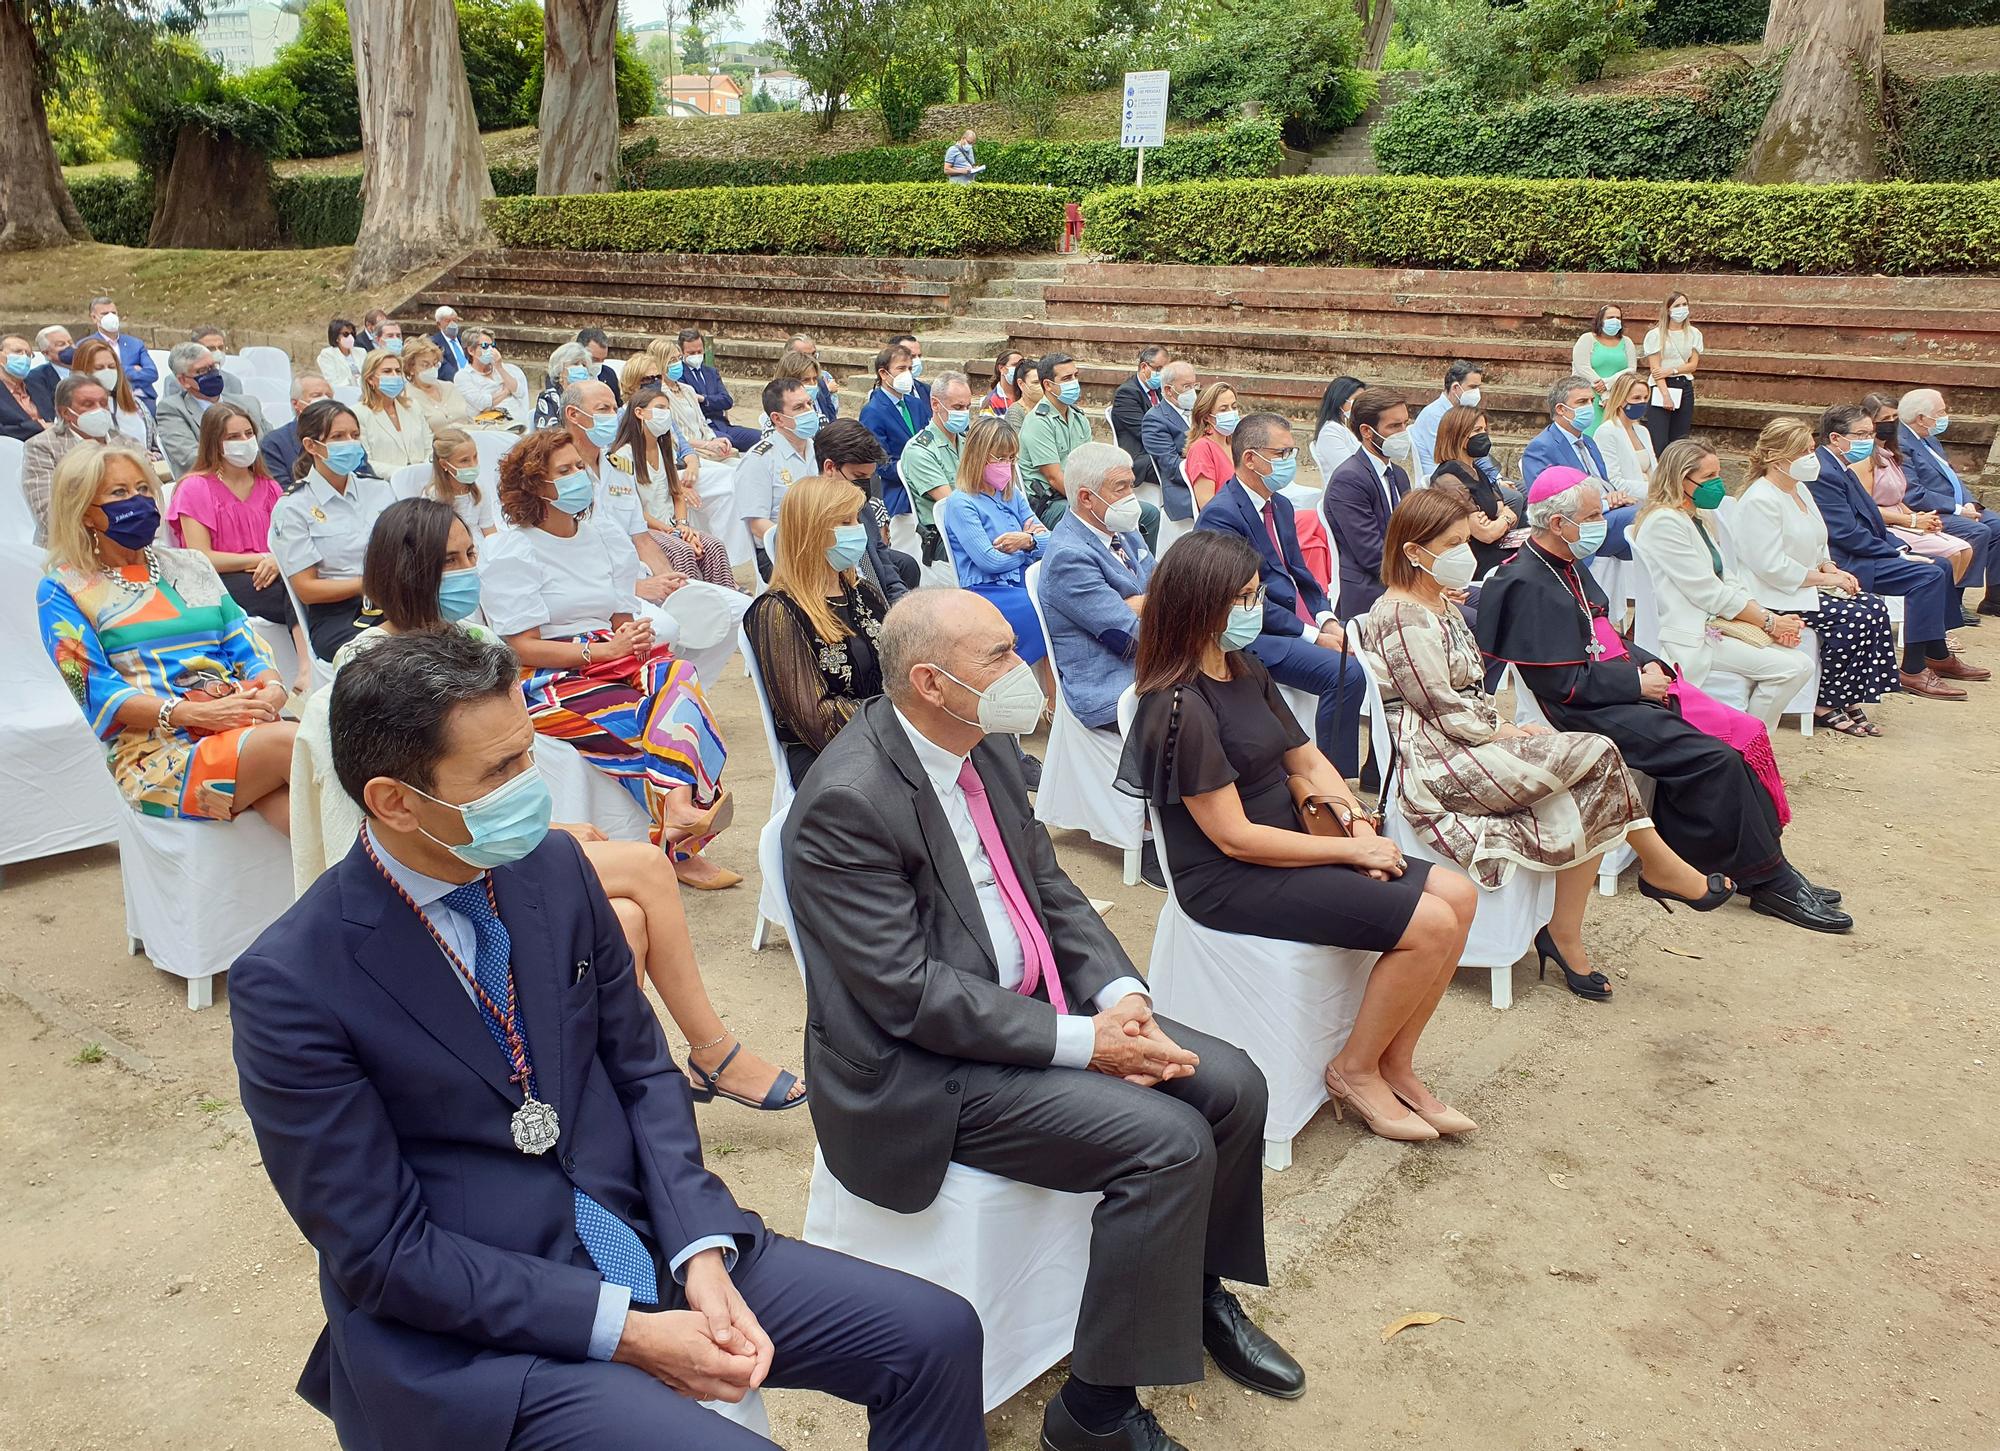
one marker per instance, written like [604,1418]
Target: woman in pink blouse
[223,509]
[1882,475]
[1209,465]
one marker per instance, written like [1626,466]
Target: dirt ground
[1751,1201]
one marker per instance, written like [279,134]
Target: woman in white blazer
[1622,436]
[1779,540]
[1691,587]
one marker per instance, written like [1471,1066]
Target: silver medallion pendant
[535,1127]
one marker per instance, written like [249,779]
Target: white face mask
[1010,706]
[107,378]
[1397,447]
[659,422]
[427,376]
[1123,516]
[1185,400]
[241,452]
[903,383]
[1454,568]
[1677,313]
[94,423]
[108,324]
[1469,398]
[1804,468]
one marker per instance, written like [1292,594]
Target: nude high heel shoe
[1405,1128]
[1446,1120]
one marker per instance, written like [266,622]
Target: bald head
[950,628]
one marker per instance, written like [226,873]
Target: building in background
[246,34]
[710,95]
[781,86]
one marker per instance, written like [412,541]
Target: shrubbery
[1292,58]
[930,219]
[1946,128]
[1569,225]
[1733,22]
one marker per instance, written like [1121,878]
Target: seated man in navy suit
[1163,433]
[132,355]
[1364,491]
[53,343]
[1862,545]
[469,1109]
[700,374]
[1567,441]
[1934,486]
[1302,644]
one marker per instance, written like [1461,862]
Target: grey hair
[1543,512]
[1920,400]
[1090,464]
[103,302]
[47,335]
[913,633]
[186,356]
[300,380]
[1178,369]
[565,356]
[944,380]
[1560,390]
[195,335]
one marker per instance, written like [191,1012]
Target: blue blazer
[1357,516]
[41,381]
[715,399]
[448,365]
[1286,579]
[138,366]
[1855,533]
[1552,448]
[449,1260]
[881,417]
[1092,631]
[974,521]
[1933,483]
[1163,434]
[15,421]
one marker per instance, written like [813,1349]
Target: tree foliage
[1503,49]
[1294,59]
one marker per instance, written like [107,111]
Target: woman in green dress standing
[1604,352]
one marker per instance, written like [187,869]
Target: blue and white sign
[1145,110]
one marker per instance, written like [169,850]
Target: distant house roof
[706,85]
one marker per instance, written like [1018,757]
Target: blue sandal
[705,1086]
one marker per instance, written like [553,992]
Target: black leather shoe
[1801,908]
[1137,1432]
[1246,1354]
[1826,894]
[1149,867]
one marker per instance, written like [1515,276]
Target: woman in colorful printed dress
[644,450]
[558,587]
[161,660]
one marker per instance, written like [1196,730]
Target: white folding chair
[55,793]
[581,792]
[1507,918]
[771,908]
[198,893]
[273,395]
[160,367]
[1289,1005]
[348,393]
[1528,711]
[322,671]
[1079,769]
[17,520]
[261,361]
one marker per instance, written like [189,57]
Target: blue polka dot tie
[614,1247]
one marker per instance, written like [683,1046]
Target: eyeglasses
[652,381]
[1253,600]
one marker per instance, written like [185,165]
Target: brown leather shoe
[1953,668]
[1926,682]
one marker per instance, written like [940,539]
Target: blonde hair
[1205,406]
[71,493]
[419,354]
[1676,466]
[989,439]
[121,392]
[1781,441]
[444,479]
[796,365]
[372,396]
[1621,391]
[636,367]
[799,571]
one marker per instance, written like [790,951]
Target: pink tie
[1038,959]
[1298,600]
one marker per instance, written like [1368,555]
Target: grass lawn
[1919,54]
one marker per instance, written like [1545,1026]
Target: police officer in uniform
[777,461]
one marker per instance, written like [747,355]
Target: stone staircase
[1347,153]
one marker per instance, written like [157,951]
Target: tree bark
[36,209]
[189,209]
[424,170]
[1378,18]
[1822,126]
[579,115]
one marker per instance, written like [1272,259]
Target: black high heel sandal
[1719,891]
[1594,986]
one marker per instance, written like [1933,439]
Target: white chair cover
[348,393]
[1618,578]
[322,670]
[1079,769]
[273,395]
[17,520]
[1289,1005]
[1528,711]
[492,445]
[771,907]
[198,893]
[410,481]
[277,639]
[56,794]
[716,488]
[583,793]
[259,361]
[706,619]
[1506,920]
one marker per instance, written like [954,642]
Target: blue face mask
[1589,539]
[209,385]
[1635,411]
[1283,471]
[20,364]
[807,423]
[675,369]
[391,387]
[1583,417]
[916,367]
[1246,623]
[506,823]
[575,492]
[393,347]
[1937,428]
[131,522]
[1069,392]
[346,456]
[850,542]
[603,428]
[458,594]
[957,420]
[577,373]
[1861,448]
[1613,326]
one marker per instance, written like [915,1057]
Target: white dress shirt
[770,468]
[613,1301]
[317,524]
[1076,1039]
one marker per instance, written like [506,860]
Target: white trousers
[1774,673]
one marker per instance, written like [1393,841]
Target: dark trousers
[901,1346]
[1616,522]
[744,439]
[1335,678]
[1983,534]
[1181,1170]
[1668,424]
[1929,596]
[269,603]
[332,625]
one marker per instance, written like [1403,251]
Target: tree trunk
[579,116]
[35,205]
[207,167]
[424,171]
[1822,126]
[1378,18]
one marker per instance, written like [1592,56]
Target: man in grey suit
[1163,433]
[966,1004]
[202,383]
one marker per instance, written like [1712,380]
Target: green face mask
[1708,494]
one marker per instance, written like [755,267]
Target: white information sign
[1145,112]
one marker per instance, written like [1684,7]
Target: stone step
[1005,308]
[651,316]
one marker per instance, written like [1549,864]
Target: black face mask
[1479,445]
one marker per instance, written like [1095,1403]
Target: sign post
[1144,114]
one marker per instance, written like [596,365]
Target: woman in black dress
[813,631]
[1462,443]
[1212,746]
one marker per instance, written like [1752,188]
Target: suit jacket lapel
[939,843]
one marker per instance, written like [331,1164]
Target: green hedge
[915,219]
[1946,128]
[1613,226]
[1733,22]
[1250,148]
[1440,131]
[117,209]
